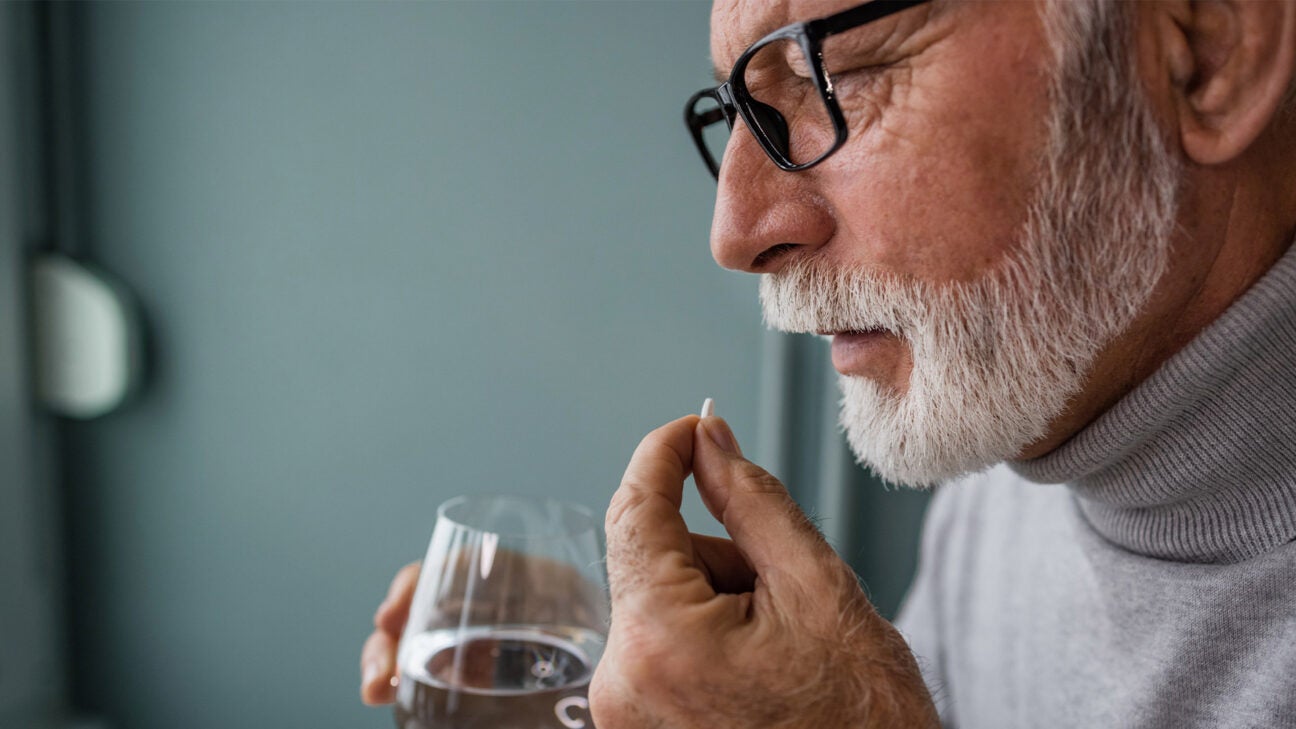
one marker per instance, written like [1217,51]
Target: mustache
[813,296]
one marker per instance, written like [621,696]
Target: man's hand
[378,657]
[770,629]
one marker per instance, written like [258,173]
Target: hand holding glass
[508,620]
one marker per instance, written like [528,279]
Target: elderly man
[1050,240]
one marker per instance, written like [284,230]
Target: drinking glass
[508,620]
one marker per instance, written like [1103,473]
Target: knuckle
[624,501]
[756,480]
[651,444]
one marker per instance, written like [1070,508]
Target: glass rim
[574,519]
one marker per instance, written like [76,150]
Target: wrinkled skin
[770,629]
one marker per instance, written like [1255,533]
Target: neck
[1196,463]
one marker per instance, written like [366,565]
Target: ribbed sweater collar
[1198,463]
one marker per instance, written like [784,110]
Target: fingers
[378,657]
[650,552]
[779,542]
[394,610]
[377,668]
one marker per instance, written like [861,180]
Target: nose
[762,214]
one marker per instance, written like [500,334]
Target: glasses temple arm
[857,16]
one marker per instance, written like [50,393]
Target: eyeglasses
[796,121]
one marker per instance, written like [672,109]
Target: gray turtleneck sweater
[1144,573]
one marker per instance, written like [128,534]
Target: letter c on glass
[563,705]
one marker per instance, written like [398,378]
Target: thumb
[779,541]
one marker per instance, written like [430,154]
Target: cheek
[937,184]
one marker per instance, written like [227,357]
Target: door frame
[33,671]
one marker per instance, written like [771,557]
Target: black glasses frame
[764,121]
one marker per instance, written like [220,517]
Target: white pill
[708,407]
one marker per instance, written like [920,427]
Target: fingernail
[372,673]
[720,434]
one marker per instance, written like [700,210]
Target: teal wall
[388,253]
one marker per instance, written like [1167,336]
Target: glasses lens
[787,106]
[710,118]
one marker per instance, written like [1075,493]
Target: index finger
[648,544]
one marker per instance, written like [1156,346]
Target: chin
[920,441]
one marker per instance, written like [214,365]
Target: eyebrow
[719,76]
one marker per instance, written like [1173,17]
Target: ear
[1232,63]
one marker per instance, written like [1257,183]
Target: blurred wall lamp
[87,337]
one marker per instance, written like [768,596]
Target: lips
[854,351]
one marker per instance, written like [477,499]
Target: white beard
[997,360]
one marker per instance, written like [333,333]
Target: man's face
[945,108]
[963,246]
